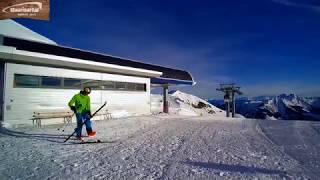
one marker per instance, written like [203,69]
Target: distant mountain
[284,106]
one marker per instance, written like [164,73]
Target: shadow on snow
[235,168]
[47,137]
[56,138]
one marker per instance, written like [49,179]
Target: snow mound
[181,103]
[120,114]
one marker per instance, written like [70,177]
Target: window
[141,87]
[120,85]
[107,85]
[72,83]
[50,81]
[93,84]
[30,81]
[26,81]
[131,86]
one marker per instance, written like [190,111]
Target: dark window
[107,84]
[141,87]
[50,81]
[26,81]
[93,84]
[131,86]
[72,83]
[120,85]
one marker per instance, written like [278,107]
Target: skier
[80,105]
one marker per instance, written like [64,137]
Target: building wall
[20,103]
[156,103]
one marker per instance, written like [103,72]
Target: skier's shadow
[46,137]
[236,168]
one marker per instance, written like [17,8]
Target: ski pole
[84,121]
[99,109]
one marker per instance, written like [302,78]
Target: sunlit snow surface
[189,143]
[166,147]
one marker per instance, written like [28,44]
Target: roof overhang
[13,55]
[159,81]
[31,52]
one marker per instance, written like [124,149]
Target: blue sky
[267,46]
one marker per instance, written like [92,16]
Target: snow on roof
[11,28]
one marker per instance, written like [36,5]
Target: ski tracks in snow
[170,148]
[298,140]
[226,149]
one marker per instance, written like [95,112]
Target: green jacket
[81,102]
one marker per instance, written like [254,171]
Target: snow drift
[181,103]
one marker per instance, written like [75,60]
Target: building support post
[233,105]
[2,86]
[228,109]
[165,99]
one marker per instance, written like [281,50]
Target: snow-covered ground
[166,147]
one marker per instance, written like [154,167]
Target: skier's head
[86,91]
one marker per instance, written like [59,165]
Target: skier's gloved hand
[73,108]
[89,112]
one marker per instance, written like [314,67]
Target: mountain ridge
[280,107]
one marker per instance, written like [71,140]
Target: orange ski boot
[92,134]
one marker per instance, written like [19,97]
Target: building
[38,75]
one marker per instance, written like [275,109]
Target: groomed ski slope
[166,147]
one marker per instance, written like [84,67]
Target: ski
[89,141]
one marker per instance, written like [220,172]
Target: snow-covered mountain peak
[289,98]
[182,103]
[189,98]
[283,106]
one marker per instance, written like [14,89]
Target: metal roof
[170,82]
[169,74]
